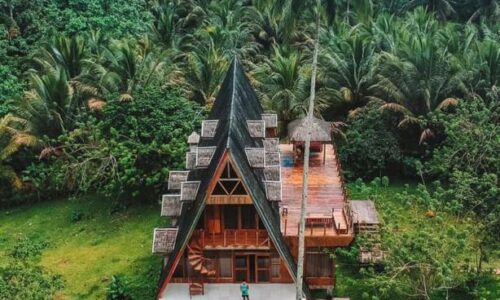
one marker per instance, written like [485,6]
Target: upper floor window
[229,183]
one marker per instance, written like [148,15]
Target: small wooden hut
[320,135]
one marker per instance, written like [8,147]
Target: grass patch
[87,250]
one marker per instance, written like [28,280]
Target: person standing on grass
[244,290]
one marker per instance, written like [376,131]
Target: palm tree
[443,8]
[347,62]
[486,58]
[49,104]
[125,65]
[282,82]
[415,87]
[487,8]
[231,28]
[203,72]
[67,53]
[14,134]
[170,26]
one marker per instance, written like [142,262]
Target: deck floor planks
[325,188]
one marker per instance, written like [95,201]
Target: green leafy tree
[371,146]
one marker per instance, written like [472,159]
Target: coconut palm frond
[355,112]
[6,172]
[426,135]
[96,104]
[408,121]
[448,102]
[394,107]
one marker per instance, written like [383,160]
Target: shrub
[21,278]
[371,147]
[147,138]
[27,248]
[76,216]
[20,281]
[117,289]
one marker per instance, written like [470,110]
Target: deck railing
[324,225]
[248,238]
[347,208]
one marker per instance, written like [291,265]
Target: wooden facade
[239,205]
[230,243]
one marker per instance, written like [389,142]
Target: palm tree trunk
[303,207]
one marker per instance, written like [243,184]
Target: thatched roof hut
[321,130]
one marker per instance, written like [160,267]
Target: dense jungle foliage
[99,95]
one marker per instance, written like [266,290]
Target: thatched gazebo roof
[321,130]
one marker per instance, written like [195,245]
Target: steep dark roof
[235,104]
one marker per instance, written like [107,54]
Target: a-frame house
[235,208]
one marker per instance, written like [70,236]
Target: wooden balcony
[233,239]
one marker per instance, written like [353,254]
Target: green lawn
[88,252]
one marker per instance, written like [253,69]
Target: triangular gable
[235,104]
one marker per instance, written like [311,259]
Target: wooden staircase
[196,287]
[197,260]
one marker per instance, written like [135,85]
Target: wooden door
[213,219]
[241,268]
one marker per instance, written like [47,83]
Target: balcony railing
[234,238]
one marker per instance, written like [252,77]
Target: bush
[117,289]
[76,216]
[28,248]
[10,87]
[147,137]
[22,279]
[371,147]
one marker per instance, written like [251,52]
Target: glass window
[263,275]
[225,264]
[248,217]
[230,217]
[263,262]
[241,261]
[275,266]
[218,190]
[240,190]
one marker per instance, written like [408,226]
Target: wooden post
[324,153]
[286,225]
[303,207]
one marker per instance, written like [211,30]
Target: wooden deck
[326,204]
